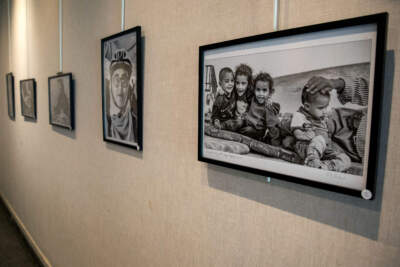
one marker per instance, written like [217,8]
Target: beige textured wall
[88,203]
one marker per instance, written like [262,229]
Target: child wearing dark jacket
[242,91]
[224,105]
[262,119]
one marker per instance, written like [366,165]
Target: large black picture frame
[218,144]
[123,51]
[10,95]
[26,111]
[61,103]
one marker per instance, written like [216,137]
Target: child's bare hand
[266,133]
[303,135]
[324,85]
[217,124]
[268,103]
[220,91]
[319,84]
[241,107]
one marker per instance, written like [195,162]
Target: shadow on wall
[64,131]
[31,120]
[125,150]
[351,214]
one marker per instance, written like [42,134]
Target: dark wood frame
[139,87]
[33,95]
[71,97]
[381,21]
[12,114]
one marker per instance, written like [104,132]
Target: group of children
[244,105]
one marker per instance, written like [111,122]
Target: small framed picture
[28,98]
[122,88]
[10,95]
[302,104]
[61,101]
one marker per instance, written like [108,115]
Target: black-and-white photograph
[296,107]
[10,95]
[122,88]
[61,101]
[28,98]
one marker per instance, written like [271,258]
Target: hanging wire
[27,38]
[276,14]
[9,37]
[122,15]
[60,32]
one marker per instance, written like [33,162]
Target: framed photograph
[122,88]
[302,104]
[28,98]
[10,95]
[61,101]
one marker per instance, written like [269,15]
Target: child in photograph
[262,119]
[310,129]
[224,105]
[349,126]
[243,91]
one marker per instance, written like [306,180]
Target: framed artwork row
[61,99]
[121,57]
[301,104]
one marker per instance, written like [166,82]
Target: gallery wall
[90,203]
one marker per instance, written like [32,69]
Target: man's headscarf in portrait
[120,61]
